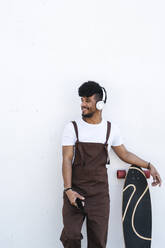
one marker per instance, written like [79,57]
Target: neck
[95,119]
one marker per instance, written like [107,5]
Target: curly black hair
[90,88]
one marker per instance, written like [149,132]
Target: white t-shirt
[91,133]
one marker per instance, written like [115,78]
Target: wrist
[149,166]
[67,189]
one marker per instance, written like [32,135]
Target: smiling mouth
[84,109]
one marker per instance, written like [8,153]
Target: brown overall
[89,179]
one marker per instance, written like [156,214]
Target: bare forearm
[131,158]
[67,173]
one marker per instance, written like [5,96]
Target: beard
[89,115]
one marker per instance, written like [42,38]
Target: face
[88,106]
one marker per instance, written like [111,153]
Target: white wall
[48,48]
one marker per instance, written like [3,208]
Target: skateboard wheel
[121,173]
[147,173]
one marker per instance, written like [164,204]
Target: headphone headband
[104,95]
[100,104]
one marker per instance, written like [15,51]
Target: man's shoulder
[114,124]
[68,125]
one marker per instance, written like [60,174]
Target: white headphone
[100,104]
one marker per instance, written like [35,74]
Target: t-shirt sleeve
[117,139]
[68,135]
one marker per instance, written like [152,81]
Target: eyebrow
[86,98]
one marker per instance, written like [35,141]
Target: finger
[160,183]
[159,179]
[154,184]
[154,176]
[156,180]
[80,197]
[73,202]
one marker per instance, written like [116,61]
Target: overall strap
[76,129]
[106,142]
[108,131]
[81,153]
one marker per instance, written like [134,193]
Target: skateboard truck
[122,173]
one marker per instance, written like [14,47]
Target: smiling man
[86,143]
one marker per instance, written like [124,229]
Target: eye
[87,100]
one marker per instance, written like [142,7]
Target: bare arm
[67,153]
[131,158]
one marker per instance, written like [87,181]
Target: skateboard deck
[136,208]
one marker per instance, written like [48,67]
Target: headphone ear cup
[100,105]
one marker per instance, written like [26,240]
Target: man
[85,158]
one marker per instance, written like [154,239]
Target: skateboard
[136,208]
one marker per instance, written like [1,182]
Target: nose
[83,105]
